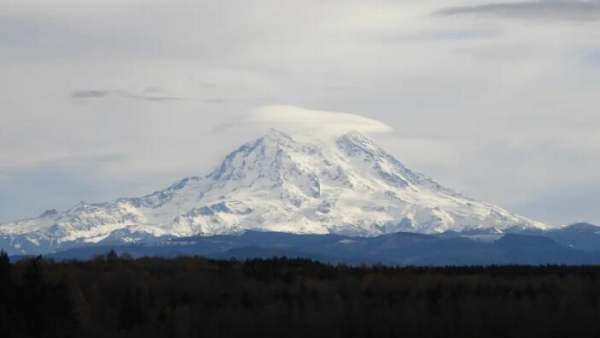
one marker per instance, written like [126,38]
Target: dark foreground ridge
[112,296]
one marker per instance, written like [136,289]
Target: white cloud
[299,120]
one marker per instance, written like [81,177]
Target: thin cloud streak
[150,94]
[99,94]
[537,10]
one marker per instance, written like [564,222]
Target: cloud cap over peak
[301,120]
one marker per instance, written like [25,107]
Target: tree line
[115,296]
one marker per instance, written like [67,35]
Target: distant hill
[573,245]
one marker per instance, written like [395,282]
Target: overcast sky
[111,98]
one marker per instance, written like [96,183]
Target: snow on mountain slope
[347,185]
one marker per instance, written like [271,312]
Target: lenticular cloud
[301,120]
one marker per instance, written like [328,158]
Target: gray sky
[104,99]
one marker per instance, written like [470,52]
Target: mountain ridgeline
[573,245]
[345,186]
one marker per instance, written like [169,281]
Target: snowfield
[344,185]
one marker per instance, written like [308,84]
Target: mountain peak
[286,184]
[272,137]
[278,137]
[354,141]
[275,134]
[49,213]
[356,136]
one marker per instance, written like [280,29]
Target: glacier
[343,185]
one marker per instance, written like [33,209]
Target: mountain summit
[347,185]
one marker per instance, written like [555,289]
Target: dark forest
[113,296]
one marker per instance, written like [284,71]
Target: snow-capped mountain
[345,185]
